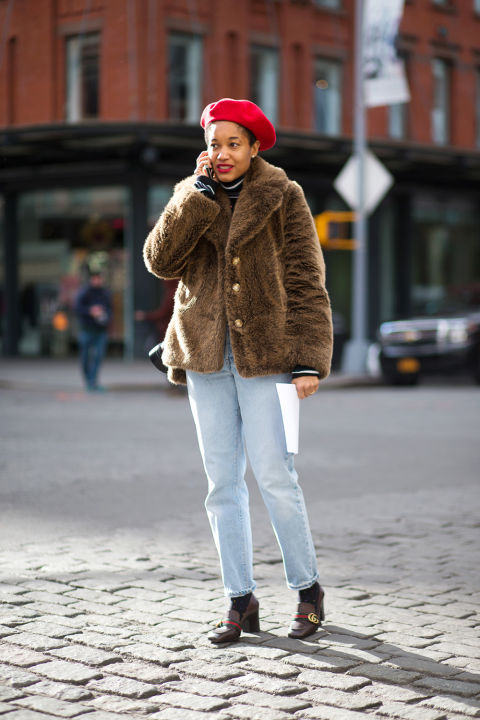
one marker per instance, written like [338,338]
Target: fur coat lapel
[262,193]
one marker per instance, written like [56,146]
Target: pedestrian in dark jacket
[251,310]
[93,307]
[161,316]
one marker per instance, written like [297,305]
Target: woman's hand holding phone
[204,166]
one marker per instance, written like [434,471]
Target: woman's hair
[251,137]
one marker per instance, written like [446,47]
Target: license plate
[408,365]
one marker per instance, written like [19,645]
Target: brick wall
[133,82]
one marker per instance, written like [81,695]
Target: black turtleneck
[209,187]
[233,189]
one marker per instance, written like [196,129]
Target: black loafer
[230,629]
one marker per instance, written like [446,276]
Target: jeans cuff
[239,593]
[304,586]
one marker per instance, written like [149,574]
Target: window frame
[338,65]
[325,4]
[270,106]
[76,78]
[441,135]
[193,44]
[477,106]
[401,109]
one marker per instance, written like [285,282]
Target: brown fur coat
[260,270]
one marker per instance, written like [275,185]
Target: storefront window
[386,262]
[63,234]
[158,196]
[2,274]
[157,306]
[339,273]
[446,254]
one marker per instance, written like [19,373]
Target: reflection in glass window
[264,80]
[184,77]
[441,101]
[62,234]
[328,96]
[82,82]
[446,252]
[158,196]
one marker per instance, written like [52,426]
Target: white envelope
[290,405]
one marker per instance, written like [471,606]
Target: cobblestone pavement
[113,625]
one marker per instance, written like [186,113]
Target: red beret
[244,113]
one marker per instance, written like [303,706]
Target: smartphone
[210,173]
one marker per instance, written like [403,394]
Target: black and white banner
[384,75]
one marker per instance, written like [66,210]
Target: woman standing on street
[251,310]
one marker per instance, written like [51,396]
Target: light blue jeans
[230,412]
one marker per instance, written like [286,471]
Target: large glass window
[184,77]
[441,101]
[477,106]
[264,80]
[446,253]
[158,197]
[155,314]
[398,114]
[328,3]
[62,234]
[83,71]
[339,274]
[328,96]
[397,121]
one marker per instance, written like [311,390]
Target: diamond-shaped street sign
[378,182]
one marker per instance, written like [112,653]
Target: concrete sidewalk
[116,375]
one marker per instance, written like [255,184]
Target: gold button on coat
[236,287]
[235,260]
[238,323]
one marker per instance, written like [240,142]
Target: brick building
[99,108]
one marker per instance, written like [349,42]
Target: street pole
[355,354]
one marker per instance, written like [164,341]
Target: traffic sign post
[354,361]
[362,183]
